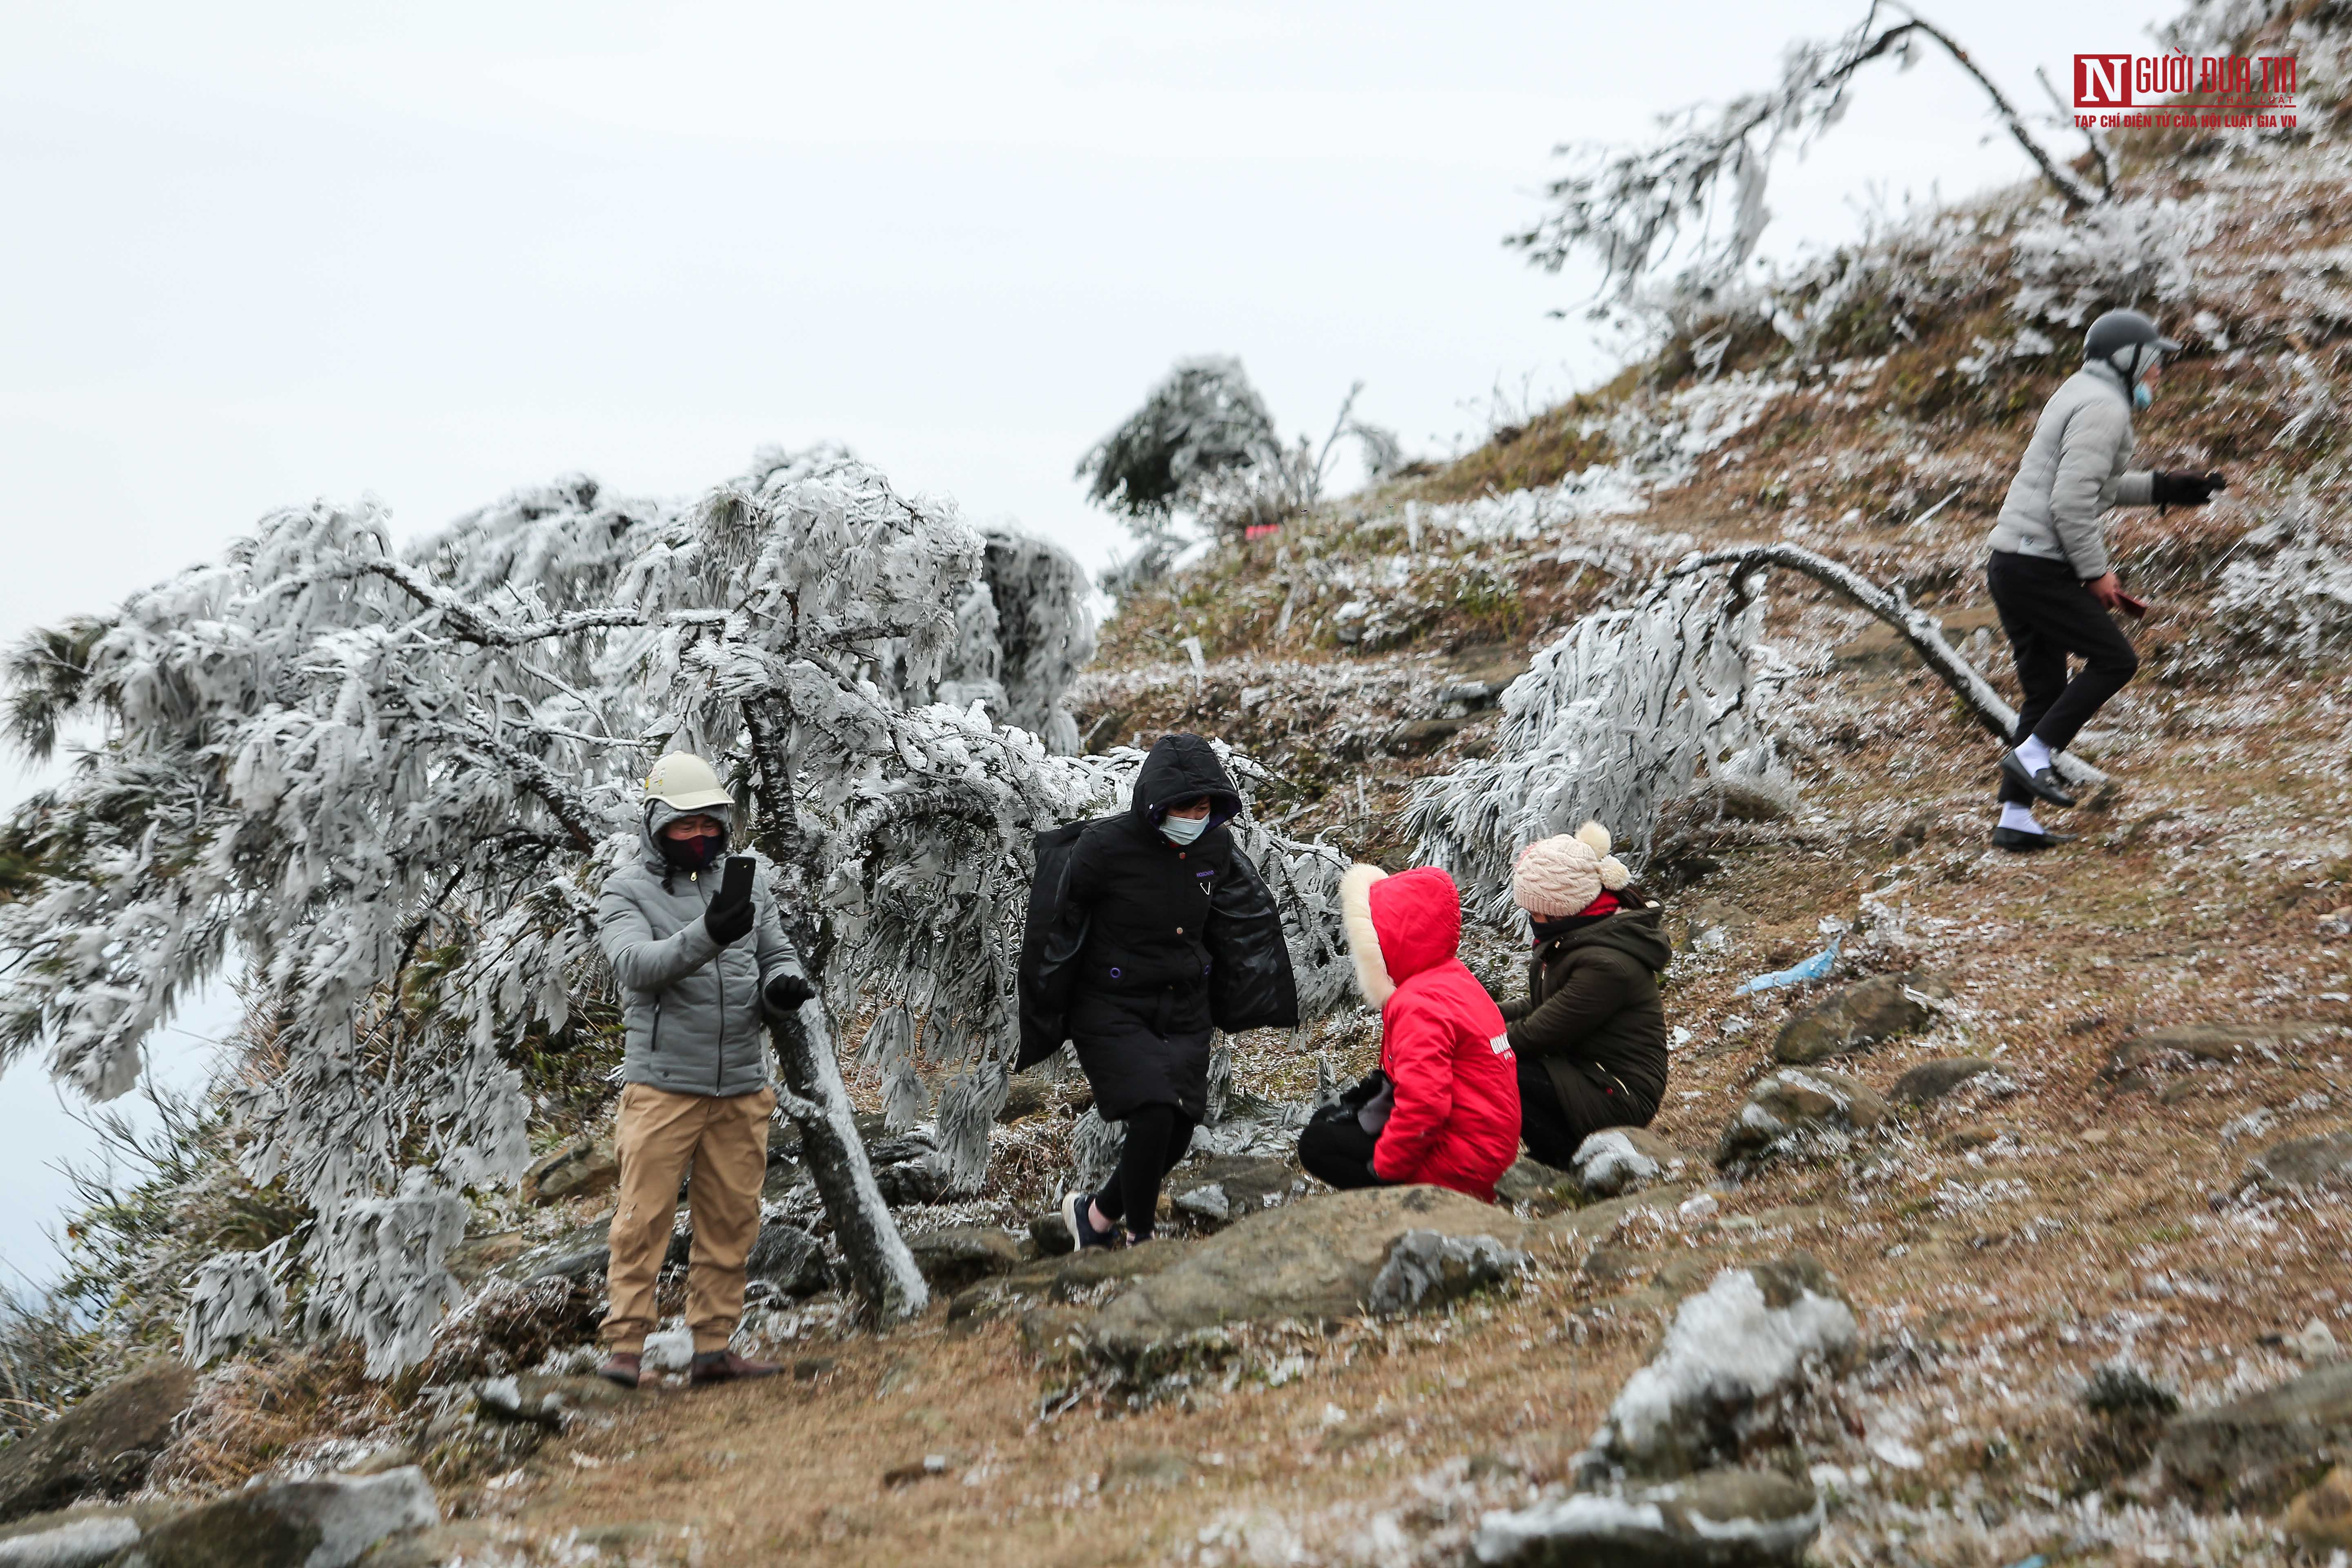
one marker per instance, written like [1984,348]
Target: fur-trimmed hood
[1398,926]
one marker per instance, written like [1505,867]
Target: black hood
[1179,768]
[1639,933]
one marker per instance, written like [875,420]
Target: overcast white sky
[260,253]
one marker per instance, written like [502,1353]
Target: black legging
[1556,1125]
[1157,1137]
[2049,613]
[1336,1151]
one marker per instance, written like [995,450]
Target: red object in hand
[2131,604]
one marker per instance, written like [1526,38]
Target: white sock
[2020,817]
[2033,754]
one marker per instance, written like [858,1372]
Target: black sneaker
[1075,1213]
[2044,784]
[2017,841]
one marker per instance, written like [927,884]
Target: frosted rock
[1753,1335]
[1718,1518]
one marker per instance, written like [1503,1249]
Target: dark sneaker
[2044,783]
[2017,841]
[1075,1215]
[726,1367]
[620,1367]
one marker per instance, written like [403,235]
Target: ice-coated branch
[1921,631]
[469,623]
[1629,208]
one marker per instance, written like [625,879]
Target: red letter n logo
[2103,81]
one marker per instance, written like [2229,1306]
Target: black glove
[1362,1094]
[787,991]
[729,915]
[2175,487]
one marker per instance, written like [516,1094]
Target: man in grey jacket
[2050,576]
[695,1088]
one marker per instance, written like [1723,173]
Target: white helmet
[684,782]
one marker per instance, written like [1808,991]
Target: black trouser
[1555,1124]
[1336,1151]
[2048,614]
[1158,1136]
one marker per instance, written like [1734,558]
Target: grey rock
[102,1446]
[579,1267]
[1733,1351]
[1620,1160]
[1053,1237]
[1718,1518]
[1532,1187]
[74,1538]
[1796,1110]
[1931,1081]
[1314,1260]
[1860,1015]
[324,1523]
[789,1259]
[581,1169]
[1425,1269]
[2207,1042]
[1213,1191]
[955,1256]
[909,1181]
[2257,1451]
[2300,1163]
[545,1399]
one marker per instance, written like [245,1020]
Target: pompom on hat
[1559,875]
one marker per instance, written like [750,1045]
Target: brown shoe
[726,1367]
[620,1367]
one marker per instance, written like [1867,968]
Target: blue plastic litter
[1814,968]
[2036,1560]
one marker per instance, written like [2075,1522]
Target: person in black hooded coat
[1147,933]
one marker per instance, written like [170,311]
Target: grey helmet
[2127,342]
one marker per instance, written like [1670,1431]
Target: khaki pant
[661,1136]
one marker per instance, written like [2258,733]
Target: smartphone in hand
[2131,604]
[735,886]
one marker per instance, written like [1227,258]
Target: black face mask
[693,854]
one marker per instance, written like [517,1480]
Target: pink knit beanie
[1561,875]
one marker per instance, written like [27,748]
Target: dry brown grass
[256,1415]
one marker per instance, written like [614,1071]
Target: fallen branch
[1922,631]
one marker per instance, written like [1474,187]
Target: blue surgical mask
[1183,829]
[2141,396]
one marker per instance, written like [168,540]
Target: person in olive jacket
[1147,933]
[1590,1037]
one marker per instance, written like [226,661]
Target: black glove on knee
[787,991]
[2174,486]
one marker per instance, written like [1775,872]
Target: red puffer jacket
[1456,1121]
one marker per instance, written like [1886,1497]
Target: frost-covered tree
[1203,447]
[1624,711]
[389,783]
[1695,194]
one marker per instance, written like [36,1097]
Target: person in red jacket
[1445,1107]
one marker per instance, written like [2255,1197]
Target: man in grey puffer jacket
[696,1092]
[2050,576]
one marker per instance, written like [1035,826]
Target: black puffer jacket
[1592,1006]
[1137,947]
